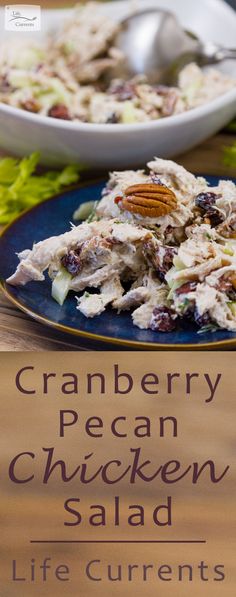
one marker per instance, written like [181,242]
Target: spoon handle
[226,54]
[211,53]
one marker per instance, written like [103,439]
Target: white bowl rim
[87,127]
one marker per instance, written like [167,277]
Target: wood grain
[35,511]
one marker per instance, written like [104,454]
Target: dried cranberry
[123,90]
[72,263]
[215,217]
[232,294]
[109,242]
[159,257]
[118,199]
[161,275]
[169,103]
[163,320]
[201,320]
[167,262]
[162,89]
[205,200]
[170,234]
[187,317]
[186,288]
[59,111]
[224,285]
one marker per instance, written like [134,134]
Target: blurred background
[64,3]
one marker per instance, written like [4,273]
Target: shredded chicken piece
[94,304]
[49,252]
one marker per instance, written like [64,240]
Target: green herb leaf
[230,156]
[210,327]
[21,188]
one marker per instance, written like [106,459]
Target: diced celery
[128,114]
[60,90]
[54,93]
[19,79]
[84,210]
[232,307]
[178,263]
[61,286]
[174,286]
[192,89]
[46,100]
[228,250]
[28,57]
[68,47]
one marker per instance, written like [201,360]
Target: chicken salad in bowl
[63,77]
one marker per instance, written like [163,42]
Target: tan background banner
[201,428]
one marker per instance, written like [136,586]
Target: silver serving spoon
[154,44]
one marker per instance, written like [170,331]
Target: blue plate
[52,218]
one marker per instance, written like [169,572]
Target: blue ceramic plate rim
[12,292]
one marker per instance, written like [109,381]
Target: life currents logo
[22,17]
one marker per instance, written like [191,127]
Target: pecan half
[148,200]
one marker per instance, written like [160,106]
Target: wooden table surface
[35,510]
[20,333]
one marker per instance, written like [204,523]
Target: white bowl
[121,146]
